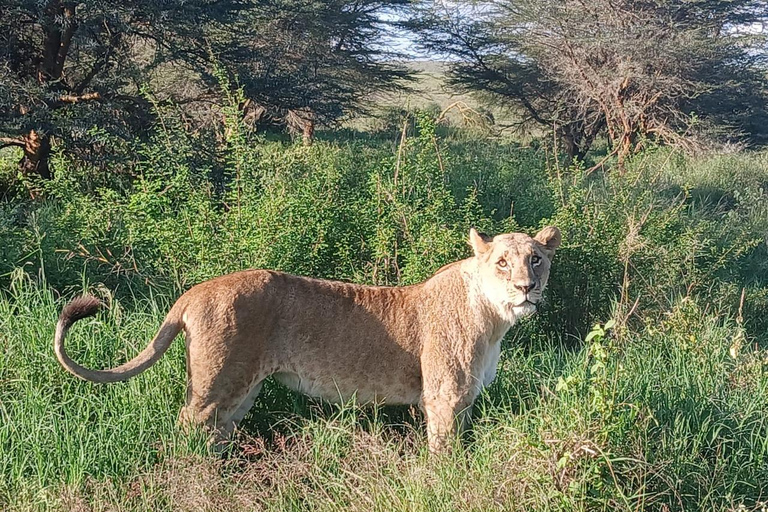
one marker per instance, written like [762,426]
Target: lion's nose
[525,288]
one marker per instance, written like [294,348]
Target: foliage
[80,72]
[303,61]
[658,69]
[363,210]
[74,70]
[661,406]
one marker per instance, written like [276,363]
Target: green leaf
[593,333]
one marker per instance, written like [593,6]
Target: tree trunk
[569,145]
[624,150]
[59,27]
[307,132]
[37,149]
[301,121]
[575,143]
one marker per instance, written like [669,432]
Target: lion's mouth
[523,309]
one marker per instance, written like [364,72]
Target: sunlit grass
[682,423]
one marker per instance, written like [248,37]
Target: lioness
[435,344]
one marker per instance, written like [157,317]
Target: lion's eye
[535,260]
[502,263]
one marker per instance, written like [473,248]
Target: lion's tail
[88,305]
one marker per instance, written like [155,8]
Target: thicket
[386,210]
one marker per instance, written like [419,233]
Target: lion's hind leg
[247,403]
[218,407]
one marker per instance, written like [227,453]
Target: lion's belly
[390,390]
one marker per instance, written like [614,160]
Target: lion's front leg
[445,419]
[447,397]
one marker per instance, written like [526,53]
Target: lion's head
[513,269]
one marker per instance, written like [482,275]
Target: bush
[359,210]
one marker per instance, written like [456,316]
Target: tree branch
[101,61]
[68,12]
[74,98]
[10,141]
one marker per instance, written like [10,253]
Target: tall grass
[666,410]
[661,416]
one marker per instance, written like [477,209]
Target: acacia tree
[68,69]
[72,70]
[623,67]
[317,61]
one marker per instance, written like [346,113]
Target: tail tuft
[81,307]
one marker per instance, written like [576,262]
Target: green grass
[672,419]
[665,412]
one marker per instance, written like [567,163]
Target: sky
[401,41]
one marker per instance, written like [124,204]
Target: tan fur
[435,344]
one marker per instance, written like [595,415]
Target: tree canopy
[630,69]
[73,70]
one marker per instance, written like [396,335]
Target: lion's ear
[550,238]
[480,243]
